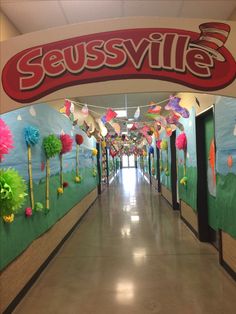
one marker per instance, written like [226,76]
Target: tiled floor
[132,254]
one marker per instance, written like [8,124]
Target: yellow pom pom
[94,152]
[60,190]
[104,144]
[8,218]
[77,179]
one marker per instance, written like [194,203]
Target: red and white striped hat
[213,36]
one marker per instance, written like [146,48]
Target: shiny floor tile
[132,254]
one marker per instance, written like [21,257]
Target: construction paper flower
[52,146]
[12,191]
[164,144]
[184,181]
[8,218]
[66,142]
[32,135]
[65,184]
[38,207]
[78,179]
[28,212]
[94,172]
[6,139]
[60,190]
[181,141]
[79,139]
[94,152]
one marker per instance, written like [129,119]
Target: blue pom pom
[151,150]
[32,135]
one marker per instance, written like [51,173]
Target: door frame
[174,177]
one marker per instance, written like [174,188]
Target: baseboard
[189,217]
[228,253]
[21,274]
[166,193]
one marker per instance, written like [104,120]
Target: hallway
[132,254]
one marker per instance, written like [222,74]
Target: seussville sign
[196,60]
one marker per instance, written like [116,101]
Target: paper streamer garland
[12,193]
[32,136]
[79,141]
[66,142]
[181,144]
[52,147]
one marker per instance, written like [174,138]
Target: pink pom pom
[181,141]
[158,144]
[6,139]
[66,142]
[28,212]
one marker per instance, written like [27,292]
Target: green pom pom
[52,146]
[12,191]
[38,207]
[164,144]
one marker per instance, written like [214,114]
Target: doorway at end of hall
[128,161]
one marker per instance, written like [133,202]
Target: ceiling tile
[207,9]
[152,8]
[78,11]
[30,16]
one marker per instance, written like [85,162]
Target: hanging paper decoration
[68,109]
[181,144]
[6,139]
[137,113]
[110,114]
[66,142]
[174,105]
[151,150]
[79,141]
[102,127]
[169,131]
[155,109]
[32,136]
[84,110]
[12,193]
[52,147]
[28,212]
[116,127]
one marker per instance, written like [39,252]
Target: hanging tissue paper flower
[79,139]
[174,105]
[32,135]
[12,191]
[28,212]
[181,141]
[6,139]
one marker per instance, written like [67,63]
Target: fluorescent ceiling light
[131,119]
[125,133]
[121,113]
[129,125]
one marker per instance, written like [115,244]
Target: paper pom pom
[77,179]
[94,152]
[52,146]
[151,150]
[181,141]
[164,144]
[60,190]
[65,184]
[104,144]
[28,212]
[66,141]
[184,181]
[38,207]
[158,144]
[79,139]
[32,135]
[8,218]
[12,191]
[94,172]
[6,139]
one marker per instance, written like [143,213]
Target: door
[206,198]
[125,161]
